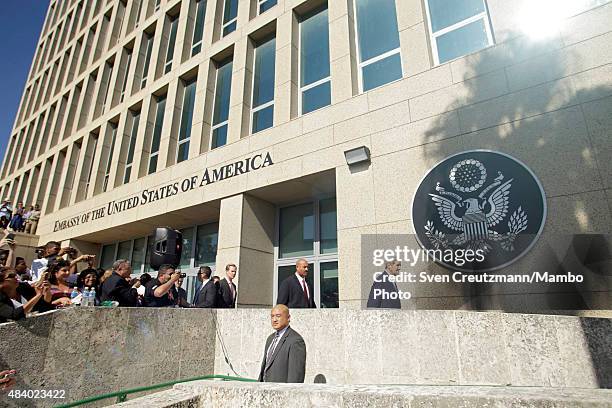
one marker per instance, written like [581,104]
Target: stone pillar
[342,50]
[414,41]
[246,238]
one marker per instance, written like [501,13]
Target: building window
[265,5]
[109,160]
[309,231]
[198,29]
[230,16]
[157,130]
[171,41]
[94,142]
[107,257]
[187,250]
[131,148]
[107,85]
[458,28]
[378,43]
[147,59]
[262,111]
[206,244]
[186,120]
[125,75]
[157,4]
[315,80]
[223,90]
[138,254]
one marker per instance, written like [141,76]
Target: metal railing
[122,394]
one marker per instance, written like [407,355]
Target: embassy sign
[479,201]
[148,196]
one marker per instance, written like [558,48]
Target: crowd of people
[61,277]
[21,219]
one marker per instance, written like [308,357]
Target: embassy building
[272,130]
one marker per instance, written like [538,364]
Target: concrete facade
[546,102]
[211,394]
[131,347]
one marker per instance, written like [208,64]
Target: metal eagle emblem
[480,204]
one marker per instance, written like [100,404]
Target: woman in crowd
[19,298]
[59,271]
[88,278]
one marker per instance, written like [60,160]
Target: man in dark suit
[382,290]
[226,298]
[117,288]
[206,296]
[294,291]
[285,352]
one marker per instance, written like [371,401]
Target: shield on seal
[475,226]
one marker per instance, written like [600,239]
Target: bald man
[295,292]
[284,358]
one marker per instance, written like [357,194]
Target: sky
[20,24]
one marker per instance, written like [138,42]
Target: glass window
[296,231]
[186,118]
[263,86]
[266,5]
[187,247]
[147,267]
[131,148]
[288,270]
[124,250]
[138,254]
[221,106]
[458,28]
[198,29]
[206,244]
[315,79]
[230,16]
[125,75]
[109,160]
[329,284]
[147,59]
[378,42]
[157,130]
[108,256]
[171,41]
[94,141]
[328,229]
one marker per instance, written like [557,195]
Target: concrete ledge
[221,394]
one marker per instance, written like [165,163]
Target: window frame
[125,77]
[484,15]
[213,127]
[109,160]
[269,103]
[302,89]
[146,67]
[195,25]
[186,140]
[262,2]
[171,41]
[225,24]
[317,258]
[156,153]
[129,162]
[361,65]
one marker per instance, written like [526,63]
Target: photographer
[161,292]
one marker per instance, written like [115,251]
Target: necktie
[272,347]
[305,290]
[231,285]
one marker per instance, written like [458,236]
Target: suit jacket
[118,289]
[386,287]
[288,362]
[291,294]
[206,296]
[225,299]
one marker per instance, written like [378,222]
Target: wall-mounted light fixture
[357,155]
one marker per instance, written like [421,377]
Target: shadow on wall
[548,105]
